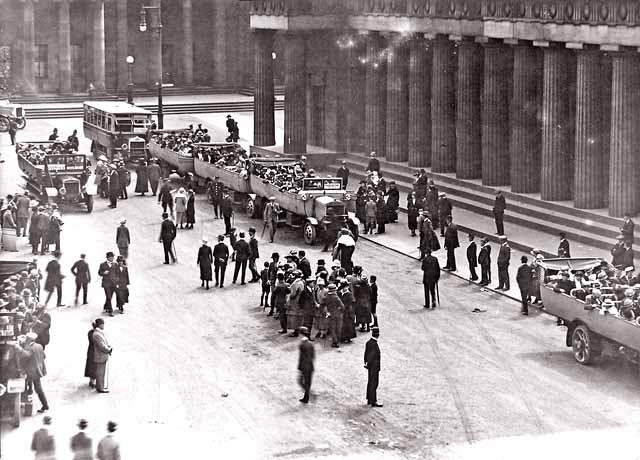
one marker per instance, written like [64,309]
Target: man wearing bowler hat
[167,235]
[372,364]
[81,444]
[243,252]
[108,447]
[523,278]
[305,362]
[109,281]
[220,259]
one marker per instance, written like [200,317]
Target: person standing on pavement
[444,211]
[108,447]
[205,261]
[81,444]
[90,365]
[220,260]
[191,208]
[101,353]
[123,238]
[33,358]
[412,213]
[124,178]
[216,193]
[54,229]
[226,208]
[370,212]
[372,365]
[484,259]
[254,254]
[343,173]
[270,216]
[109,281]
[381,213]
[305,362]
[243,252]
[504,255]
[43,444]
[167,236]
[180,201]
[563,248]
[165,196]
[154,174]
[334,307]
[13,130]
[523,278]
[54,279]
[472,258]
[41,325]
[451,242]
[23,203]
[393,202]
[499,206]
[114,186]
[627,229]
[122,283]
[430,278]
[142,178]
[82,273]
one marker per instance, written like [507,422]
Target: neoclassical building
[60,46]
[541,96]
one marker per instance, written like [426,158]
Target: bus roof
[117,107]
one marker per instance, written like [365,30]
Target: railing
[594,12]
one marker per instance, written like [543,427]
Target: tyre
[252,208]
[4,125]
[585,344]
[310,233]
[21,122]
[89,202]
[16,411]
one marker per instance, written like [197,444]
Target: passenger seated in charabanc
[579,293]
[564,284]
[593,300]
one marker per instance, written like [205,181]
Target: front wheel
[89,202]
[309,233]
[4,125]
[585,345]
[21,122]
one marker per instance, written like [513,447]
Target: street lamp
[155,26]
[130,60]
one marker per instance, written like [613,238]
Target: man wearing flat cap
[109,280]
[305,362]
[372,364]
[504,255]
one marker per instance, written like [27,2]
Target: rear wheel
[21,122]
[310,233]
[89,201]
[586,346]
[4,124]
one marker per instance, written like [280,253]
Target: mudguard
[51,192]
[91,189]
[312,220]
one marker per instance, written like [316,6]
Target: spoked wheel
[21,122]
[585,345]
[4,124]
[309,233]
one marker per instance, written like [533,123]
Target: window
[42,61]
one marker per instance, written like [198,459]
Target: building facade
[541,96]
[61,46]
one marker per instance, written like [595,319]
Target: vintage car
[13,112]
[60,178]
[590,332]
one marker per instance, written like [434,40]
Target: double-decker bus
[116,129]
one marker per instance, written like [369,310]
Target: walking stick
[173,248]
[438,293]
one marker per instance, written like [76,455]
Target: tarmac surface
[199,373]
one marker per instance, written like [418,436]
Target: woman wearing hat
[205,260]
[122,283]
[191,209]
[142,178]
[393,202]
[180,202]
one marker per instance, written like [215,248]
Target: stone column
[495,114]
[468,127]
[592,149]
[29,85]
[341,62]
[154,37]
[397,101]
[376,96]
[557,161]
[625,135]
[419,103]
[98,46]
[64,47]
[122,45]
[219,32]
[263,102]
[525,132]
[443,107]
[187,44]
[295,99]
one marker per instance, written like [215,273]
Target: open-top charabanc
[232,178]
[591,329]
[163,150]
[58,177]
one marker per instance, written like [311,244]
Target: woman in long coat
[205,259]
[122,283]
[348,317]
[381,213]
[430,239]
[412,213]
[393,202]
[191,208]
[142,178]
[362,295]
[90,366]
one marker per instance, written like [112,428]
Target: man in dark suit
[563,248]
[499,205]
[220,259]
[374,164]
[484,259]
[503,264]
[167,235]
[430,277]
[304,265]
[254,254]
[372,364]
[243,252]
[216,192]
[472,257]
[523,278]
[451,242]
[226,207]
[343,173]
[165,197]
[305,362]
[114,187]
[80,270]
[32,355]
[108,273]
[444,211]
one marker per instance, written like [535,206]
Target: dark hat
[562,235]
[241,235]
[321,262]
[165,215]
[110,254]
[46,420]
[524,259]
[56,253]
[332,287]
[82,423]
[252,229]
[275,255]
[112,426]
[375,331]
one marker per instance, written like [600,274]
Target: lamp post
[130,60]
[154,25]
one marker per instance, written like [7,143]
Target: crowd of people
[36,152]
[184,142]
